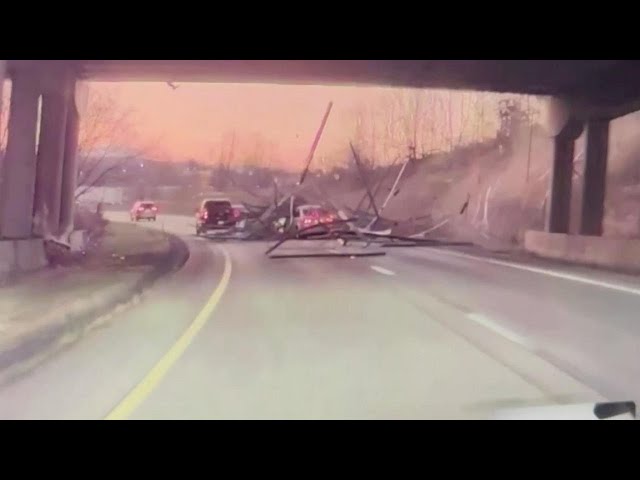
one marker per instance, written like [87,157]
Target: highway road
[417,333]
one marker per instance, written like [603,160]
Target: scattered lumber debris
[317,230]
[363,176]
[359,232]
[324,254]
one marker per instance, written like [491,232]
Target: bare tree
[255,167]
[106,141]
[389,132]
[221,172]
[423,121]
[359,134]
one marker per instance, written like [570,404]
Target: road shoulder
[86,379]
[47,311]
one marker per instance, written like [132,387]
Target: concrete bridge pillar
[56,92]
[69,175]
[19,165]
[565,129]
[595,175]
[3,72]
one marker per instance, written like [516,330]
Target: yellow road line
[141,391]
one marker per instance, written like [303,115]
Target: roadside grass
[125,239]
[124,245]
[106,263]
[41,308]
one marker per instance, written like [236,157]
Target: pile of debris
[361,231]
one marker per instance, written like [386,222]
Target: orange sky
[194,120]
[191,121]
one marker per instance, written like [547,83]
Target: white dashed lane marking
[494,327]
[381,270]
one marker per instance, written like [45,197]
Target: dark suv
[216,215]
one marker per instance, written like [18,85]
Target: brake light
[155,209]
[235,212]
[140,209]
[205,214]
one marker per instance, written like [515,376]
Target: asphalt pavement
[417,333]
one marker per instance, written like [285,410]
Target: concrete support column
[55,101]
[558,214]
[595,176]
[561,177]
[69,168]
[3,72]
[19,169]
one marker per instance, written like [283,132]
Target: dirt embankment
[491,197]
[478,193]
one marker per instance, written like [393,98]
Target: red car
[143,209]
[307,216]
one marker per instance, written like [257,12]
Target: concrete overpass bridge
[586,94]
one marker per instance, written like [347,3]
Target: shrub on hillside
[89,220]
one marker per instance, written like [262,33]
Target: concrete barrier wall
[17,256]
[618,253]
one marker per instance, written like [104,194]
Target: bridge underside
[595,88]
[540,77]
